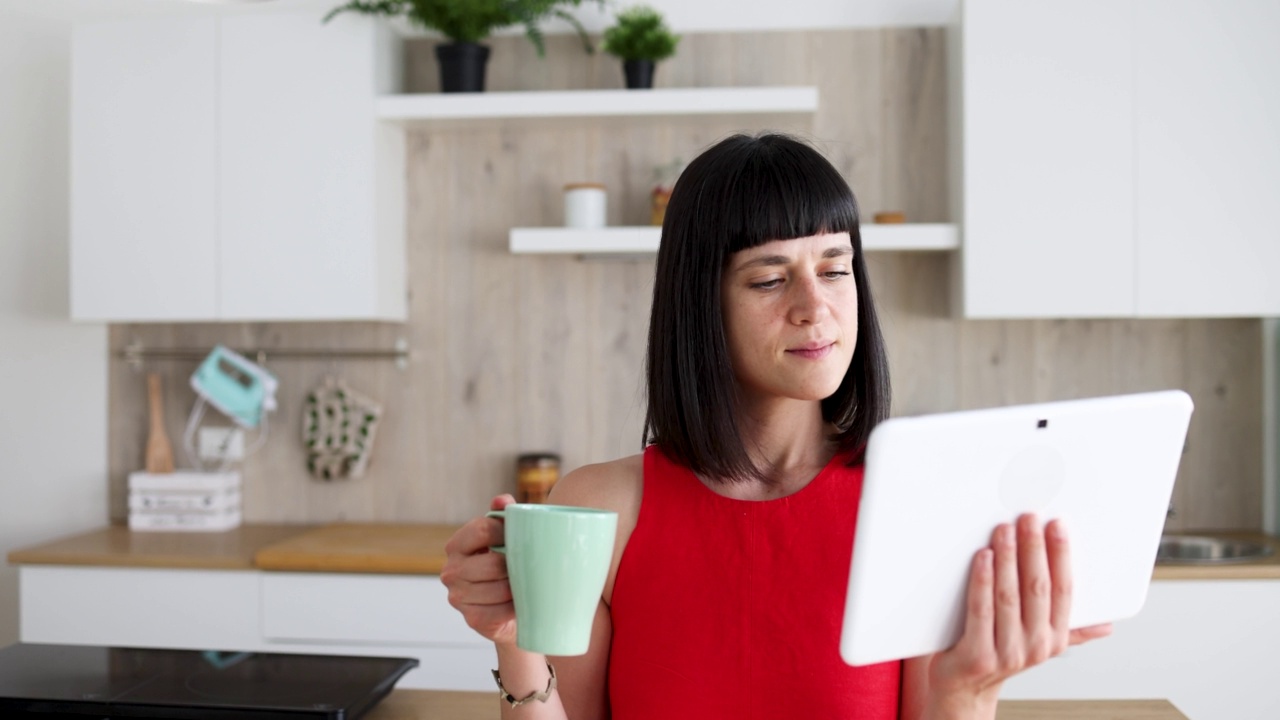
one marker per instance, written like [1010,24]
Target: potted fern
[466,23]
[640,38]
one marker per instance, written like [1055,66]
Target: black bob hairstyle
[742,192]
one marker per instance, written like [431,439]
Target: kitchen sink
[1208,550]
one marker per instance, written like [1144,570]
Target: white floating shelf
[430,107]
[644,239]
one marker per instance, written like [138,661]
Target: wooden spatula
[159,452]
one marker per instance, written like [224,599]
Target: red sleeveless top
[729,608]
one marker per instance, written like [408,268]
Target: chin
[817,393]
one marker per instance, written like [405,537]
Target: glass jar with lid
[536,473]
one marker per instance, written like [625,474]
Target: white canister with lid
[584,205]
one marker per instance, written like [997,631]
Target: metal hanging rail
[135,354]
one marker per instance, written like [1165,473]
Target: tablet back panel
[937,485]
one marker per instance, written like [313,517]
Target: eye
[836,274]
[766,284]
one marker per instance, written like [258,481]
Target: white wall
[53,428]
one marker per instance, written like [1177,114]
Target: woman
[766,373]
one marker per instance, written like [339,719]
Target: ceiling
[93,10]
[682,15]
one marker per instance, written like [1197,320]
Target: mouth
[812,351]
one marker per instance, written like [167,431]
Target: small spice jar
[584,205]
[664,180]
[535,474]
[658,204]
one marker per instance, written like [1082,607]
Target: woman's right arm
[480,590]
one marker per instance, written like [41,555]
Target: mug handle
[501,515]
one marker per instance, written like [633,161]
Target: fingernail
[985,561]
[1058,530]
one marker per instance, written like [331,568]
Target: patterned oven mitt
[338,426]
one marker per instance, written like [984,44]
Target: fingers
[484,567]
[979,623]
[477,579]
[1059,557]
[1008,603]
[478,534]
[1033,573]
[495,592]
[1035,586]
[1092,632]
[1017,607]
[1031,606]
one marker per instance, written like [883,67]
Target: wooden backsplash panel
[519,353]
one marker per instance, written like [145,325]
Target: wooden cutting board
[361,548]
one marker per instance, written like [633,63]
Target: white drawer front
[196,609]
[383,609]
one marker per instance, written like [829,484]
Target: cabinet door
[1047,158]
[297,168]
[142,171]
[1207,106]
[1208,646]
[367,608]
[139,607]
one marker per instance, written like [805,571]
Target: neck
[788,441]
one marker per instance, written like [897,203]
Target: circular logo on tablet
[1033,478]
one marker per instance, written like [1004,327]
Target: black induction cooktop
[66,681]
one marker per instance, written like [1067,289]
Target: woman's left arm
[1018,605]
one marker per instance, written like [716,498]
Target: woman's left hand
[1018,607]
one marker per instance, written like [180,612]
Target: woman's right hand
[477,578]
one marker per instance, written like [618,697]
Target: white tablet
[937,485]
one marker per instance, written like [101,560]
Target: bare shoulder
[615,485]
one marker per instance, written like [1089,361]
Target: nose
[808,304]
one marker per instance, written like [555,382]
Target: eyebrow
[767,260]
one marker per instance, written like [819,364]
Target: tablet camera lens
[1042,423]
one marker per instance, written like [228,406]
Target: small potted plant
[466,23]
[641,38]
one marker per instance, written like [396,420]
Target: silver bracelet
[535,695]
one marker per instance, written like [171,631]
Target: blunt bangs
[780,193]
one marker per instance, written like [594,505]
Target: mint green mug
[558,559]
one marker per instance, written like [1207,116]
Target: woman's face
[791,316]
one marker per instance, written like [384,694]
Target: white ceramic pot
[584,205]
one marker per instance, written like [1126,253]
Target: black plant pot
[639,74]
[462,66]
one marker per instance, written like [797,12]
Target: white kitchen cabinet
[343,607]
[1116,158]
[1206,645]
[296,208]
[251,610]
[307,173]
[1207,108]
[143,164]
[1043,92]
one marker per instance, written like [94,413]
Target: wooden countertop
[432,704]
[406,548]
[117,546]
[339,547]
[361,547]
